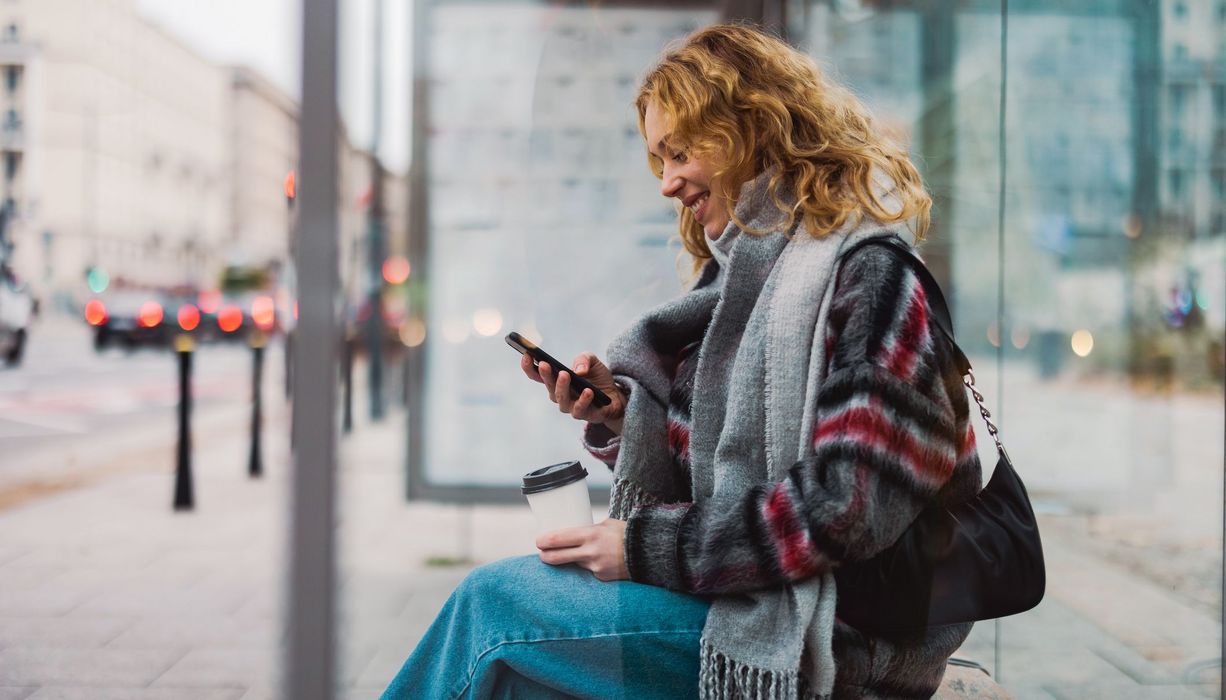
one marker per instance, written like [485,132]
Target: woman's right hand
[588,366]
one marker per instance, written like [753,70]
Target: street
[69,414]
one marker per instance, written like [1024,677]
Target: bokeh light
[210,301]
[263,312]
[994,334]
[189,317]
[396,269]
[1083,343]
[150,314]
[97,279]
[413,332]
[1020,337]
[95,312]
[487,322]
[229,319]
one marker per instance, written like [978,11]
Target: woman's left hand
[598,548]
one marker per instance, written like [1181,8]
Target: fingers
[547,378]
[529,368]
[566,545]
[570,555]
[561,392]
[583,363]
[566,537]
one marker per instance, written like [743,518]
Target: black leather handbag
[978,560]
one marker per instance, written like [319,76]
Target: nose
[670,182]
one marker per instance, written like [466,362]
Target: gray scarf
[752,415]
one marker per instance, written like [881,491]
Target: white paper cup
[558,496]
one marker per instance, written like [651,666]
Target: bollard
[255,467]
[347,381]
[183,470]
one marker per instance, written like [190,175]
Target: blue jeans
[521,628]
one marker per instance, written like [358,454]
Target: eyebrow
[661,146]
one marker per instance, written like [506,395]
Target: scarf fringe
[625,496]
[722,678]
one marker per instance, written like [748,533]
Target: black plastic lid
[554,476]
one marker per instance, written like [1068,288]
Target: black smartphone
[577,383]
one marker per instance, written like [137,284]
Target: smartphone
[577,383]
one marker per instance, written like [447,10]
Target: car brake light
[150,314]
[95,312]
[229,318]
[189,317]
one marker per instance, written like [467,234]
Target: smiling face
[686,175]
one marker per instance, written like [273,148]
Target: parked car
[239,315]
[17,309]
[130,318]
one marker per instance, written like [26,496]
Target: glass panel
[539,199]
[1101,347]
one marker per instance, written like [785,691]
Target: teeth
[698,203]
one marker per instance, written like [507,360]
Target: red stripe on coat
[869,426]
[796,554]
[679,439]
[904,350]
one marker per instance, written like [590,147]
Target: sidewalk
[105,593]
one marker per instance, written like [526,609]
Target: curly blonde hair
[755,103]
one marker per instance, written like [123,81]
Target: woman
[792,411]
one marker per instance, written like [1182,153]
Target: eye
[680,156]
[656,165]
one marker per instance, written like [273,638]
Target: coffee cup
[558,496]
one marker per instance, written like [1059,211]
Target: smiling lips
[698,204]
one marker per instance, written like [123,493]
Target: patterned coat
[893,436]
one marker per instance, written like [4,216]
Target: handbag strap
[940,312]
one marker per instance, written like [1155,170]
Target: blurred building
[125,151]
[114,147]
[263,149]
[1193,103]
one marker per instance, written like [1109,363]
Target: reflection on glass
[1084,314]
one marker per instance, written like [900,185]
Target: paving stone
[114,553]
[96,667]
[156,601]
[1030,691]
[46,601]
[211,668]
[67,632]
[14,693]
[1058,667]
[1099,690]
[382,668]
[90,693]
[26,577]
[9,553]
[198,632]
